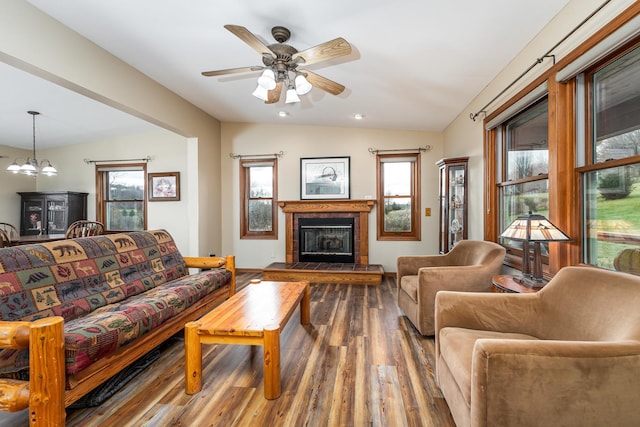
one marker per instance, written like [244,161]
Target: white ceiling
[415,64]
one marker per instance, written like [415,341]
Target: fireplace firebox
[326,240]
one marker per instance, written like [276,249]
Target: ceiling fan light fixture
[261,93]
[302,85]
[267,79]
[292,96]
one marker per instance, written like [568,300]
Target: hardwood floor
[359,363]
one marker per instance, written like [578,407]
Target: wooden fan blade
[273,96]
[230,71]
[322,52]
[247,36]
[324,83]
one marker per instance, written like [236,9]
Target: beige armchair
[568,355]
[469,266]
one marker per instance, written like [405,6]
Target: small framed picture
[324,178]
[164,187]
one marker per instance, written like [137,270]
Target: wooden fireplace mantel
[296,208]
[292,206]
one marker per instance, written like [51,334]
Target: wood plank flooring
[359,363]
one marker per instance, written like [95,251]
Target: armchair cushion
[469,266]
[566,355]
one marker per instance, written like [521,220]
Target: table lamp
[537,229]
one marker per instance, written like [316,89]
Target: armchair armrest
[409,265]
[533,382]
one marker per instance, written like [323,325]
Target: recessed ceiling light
[358,116]
[283,113]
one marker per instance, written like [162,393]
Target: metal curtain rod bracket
[473,116]
[374,151]
[240,156]
[146,159]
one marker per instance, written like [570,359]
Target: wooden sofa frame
[45,395]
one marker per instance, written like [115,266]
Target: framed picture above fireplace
[324,178]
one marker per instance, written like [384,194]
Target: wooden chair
[84,228]
[11,233]
[4,239]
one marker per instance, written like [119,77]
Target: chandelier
[31,166]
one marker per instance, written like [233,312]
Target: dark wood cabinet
[51,212]
[453,201]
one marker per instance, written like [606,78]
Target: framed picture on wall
[324,178]
[163,187]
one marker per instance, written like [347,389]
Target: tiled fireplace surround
[357,209]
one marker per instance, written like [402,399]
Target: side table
[505,283]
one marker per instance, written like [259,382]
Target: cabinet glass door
[457,206]
[56,216]
[33,217]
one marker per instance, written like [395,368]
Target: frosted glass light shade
[302,85]
[267,80]
[292,96]
[261,93]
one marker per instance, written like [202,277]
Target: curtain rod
[146,159]
[374,151]
[240,156]
[473,116]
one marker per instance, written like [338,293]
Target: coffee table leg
[193,358]
[272,362]
[305,305]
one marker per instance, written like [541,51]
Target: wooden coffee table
[253,316]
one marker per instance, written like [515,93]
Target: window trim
[415,233]
[245,233]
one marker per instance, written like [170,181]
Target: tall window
[611,177]
[120,196]
[398,196]
[258,199]
[524,177]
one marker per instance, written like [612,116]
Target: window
[611,177]
[524,180]
[398,196]
[120,196]
[258,199]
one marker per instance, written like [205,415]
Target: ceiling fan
[281,63]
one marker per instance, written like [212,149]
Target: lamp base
[530,282]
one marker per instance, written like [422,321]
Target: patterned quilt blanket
[110,290]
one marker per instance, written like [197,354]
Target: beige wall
[313,141]
[10,184]
[34,42]
[465,137]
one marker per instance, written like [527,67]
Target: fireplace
[332,212]
[326,240]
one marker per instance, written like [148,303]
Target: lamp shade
[292,96]
[302,85]
[267,80]
[534,228]
[261,93]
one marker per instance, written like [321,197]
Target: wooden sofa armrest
[228,262]
[44,392]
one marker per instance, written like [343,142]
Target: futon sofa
[113,298]
[568,355]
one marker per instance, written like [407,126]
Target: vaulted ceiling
[414,65]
